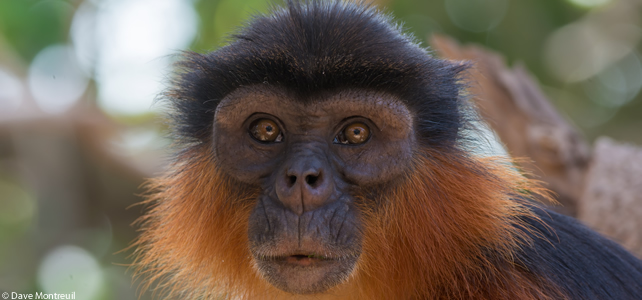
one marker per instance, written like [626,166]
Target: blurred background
[79,130]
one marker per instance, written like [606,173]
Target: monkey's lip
[300,259]
[304,272]
[303,260]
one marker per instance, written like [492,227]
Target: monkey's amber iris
[265,130]
[356,133]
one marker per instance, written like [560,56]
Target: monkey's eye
[353,134]
[266,130]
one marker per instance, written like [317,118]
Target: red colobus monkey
[322,156]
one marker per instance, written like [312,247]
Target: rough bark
[612,198]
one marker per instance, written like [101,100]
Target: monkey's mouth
[302,260]
[305,272]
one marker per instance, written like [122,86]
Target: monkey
[322,154]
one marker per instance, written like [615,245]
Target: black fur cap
[318,46]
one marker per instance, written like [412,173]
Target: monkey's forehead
[383,108]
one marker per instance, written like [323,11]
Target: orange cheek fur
[194,241]
[429,239]
[438,227]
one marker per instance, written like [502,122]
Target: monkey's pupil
[268,128]
[356,131]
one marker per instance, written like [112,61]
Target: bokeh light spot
[589,3]
[84,37]
[573,53]
[69,269]
[55,79]
[618,84]
[133,39]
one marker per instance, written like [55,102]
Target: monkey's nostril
[311,180]
[291,180]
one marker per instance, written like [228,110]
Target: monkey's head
[305,144]
[310,156]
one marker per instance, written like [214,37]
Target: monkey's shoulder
[580,261]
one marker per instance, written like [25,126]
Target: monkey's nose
[305,185]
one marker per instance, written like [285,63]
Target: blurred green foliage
[31,25]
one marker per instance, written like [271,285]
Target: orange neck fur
[447,232]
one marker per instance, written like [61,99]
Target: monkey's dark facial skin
[308,158]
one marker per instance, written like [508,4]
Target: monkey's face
[310,158]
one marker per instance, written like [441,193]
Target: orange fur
[428,239]
[437,227]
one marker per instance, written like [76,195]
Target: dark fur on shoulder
[316,47]
[579,261]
